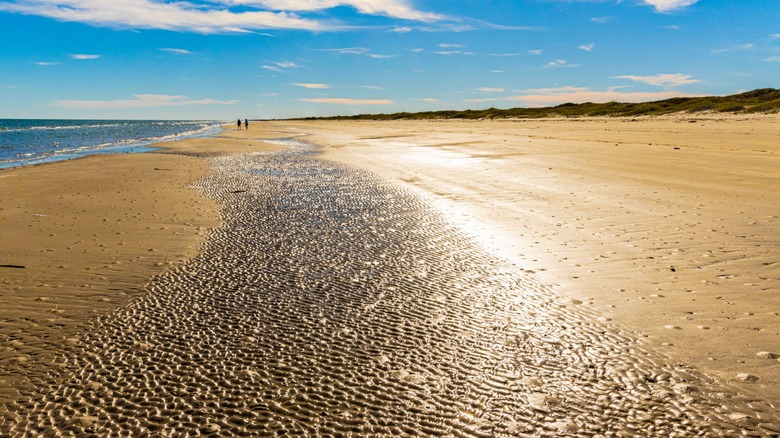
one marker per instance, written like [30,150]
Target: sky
[266,59]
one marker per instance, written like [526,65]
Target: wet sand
[80,237]
[332,300]
[668,226]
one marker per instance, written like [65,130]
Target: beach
[666,225]
[451,275]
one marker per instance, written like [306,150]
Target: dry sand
[668,226]
[79,237]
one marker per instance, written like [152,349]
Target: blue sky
[223,59]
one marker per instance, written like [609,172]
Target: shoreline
[662,225]
[83,236]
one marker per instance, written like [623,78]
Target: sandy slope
[668,226]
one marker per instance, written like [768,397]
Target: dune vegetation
[765,100]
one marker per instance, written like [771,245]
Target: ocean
[24,142]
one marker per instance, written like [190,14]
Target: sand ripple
[331,303]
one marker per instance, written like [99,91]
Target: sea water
[26,141]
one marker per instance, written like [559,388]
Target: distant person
[246,124]
[239,124]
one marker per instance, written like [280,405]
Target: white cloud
[490,90]
[280,67]
[670,5]
[451,46]
[587,47]
[177,51]
[453,52]
[378,56]
[738,48]
[389,8]
[314,86]
[155,14]
[601,20]
[662,80]
[560,63]
[772,59]
[46,63]
[84,56]
[430,100]
[536,52]
[140,101]
[348,101]
[402,29]
[286,64]
[775,36]
[501,55]
[348,51]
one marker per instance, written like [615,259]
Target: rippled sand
[330,303]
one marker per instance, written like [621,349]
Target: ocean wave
[59,141]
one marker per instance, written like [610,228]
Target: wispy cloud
[349,101]
[82,57]
[155,14]
[46,63]
[662,80]
[452,52]
[347,50]
[357,51]
[500,55]
[601,20]
[670,5]
[430,100]
[218,16]
[490,90]
[772,59]
[139,101]
[313,86]
[738,48]
[536,52]
[775,36]
[280,67]
[378,56]
[388,8]
[560,63]
[451,46]
[176,51]
[587,47]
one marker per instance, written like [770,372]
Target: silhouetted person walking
[239,124]
[246,123]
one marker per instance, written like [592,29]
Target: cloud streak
[82,57]
[313,86]
[207,18]
[138,102]
[670,5]
[349,101]
[662,80]
[389,8]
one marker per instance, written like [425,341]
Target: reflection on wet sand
[333,303]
